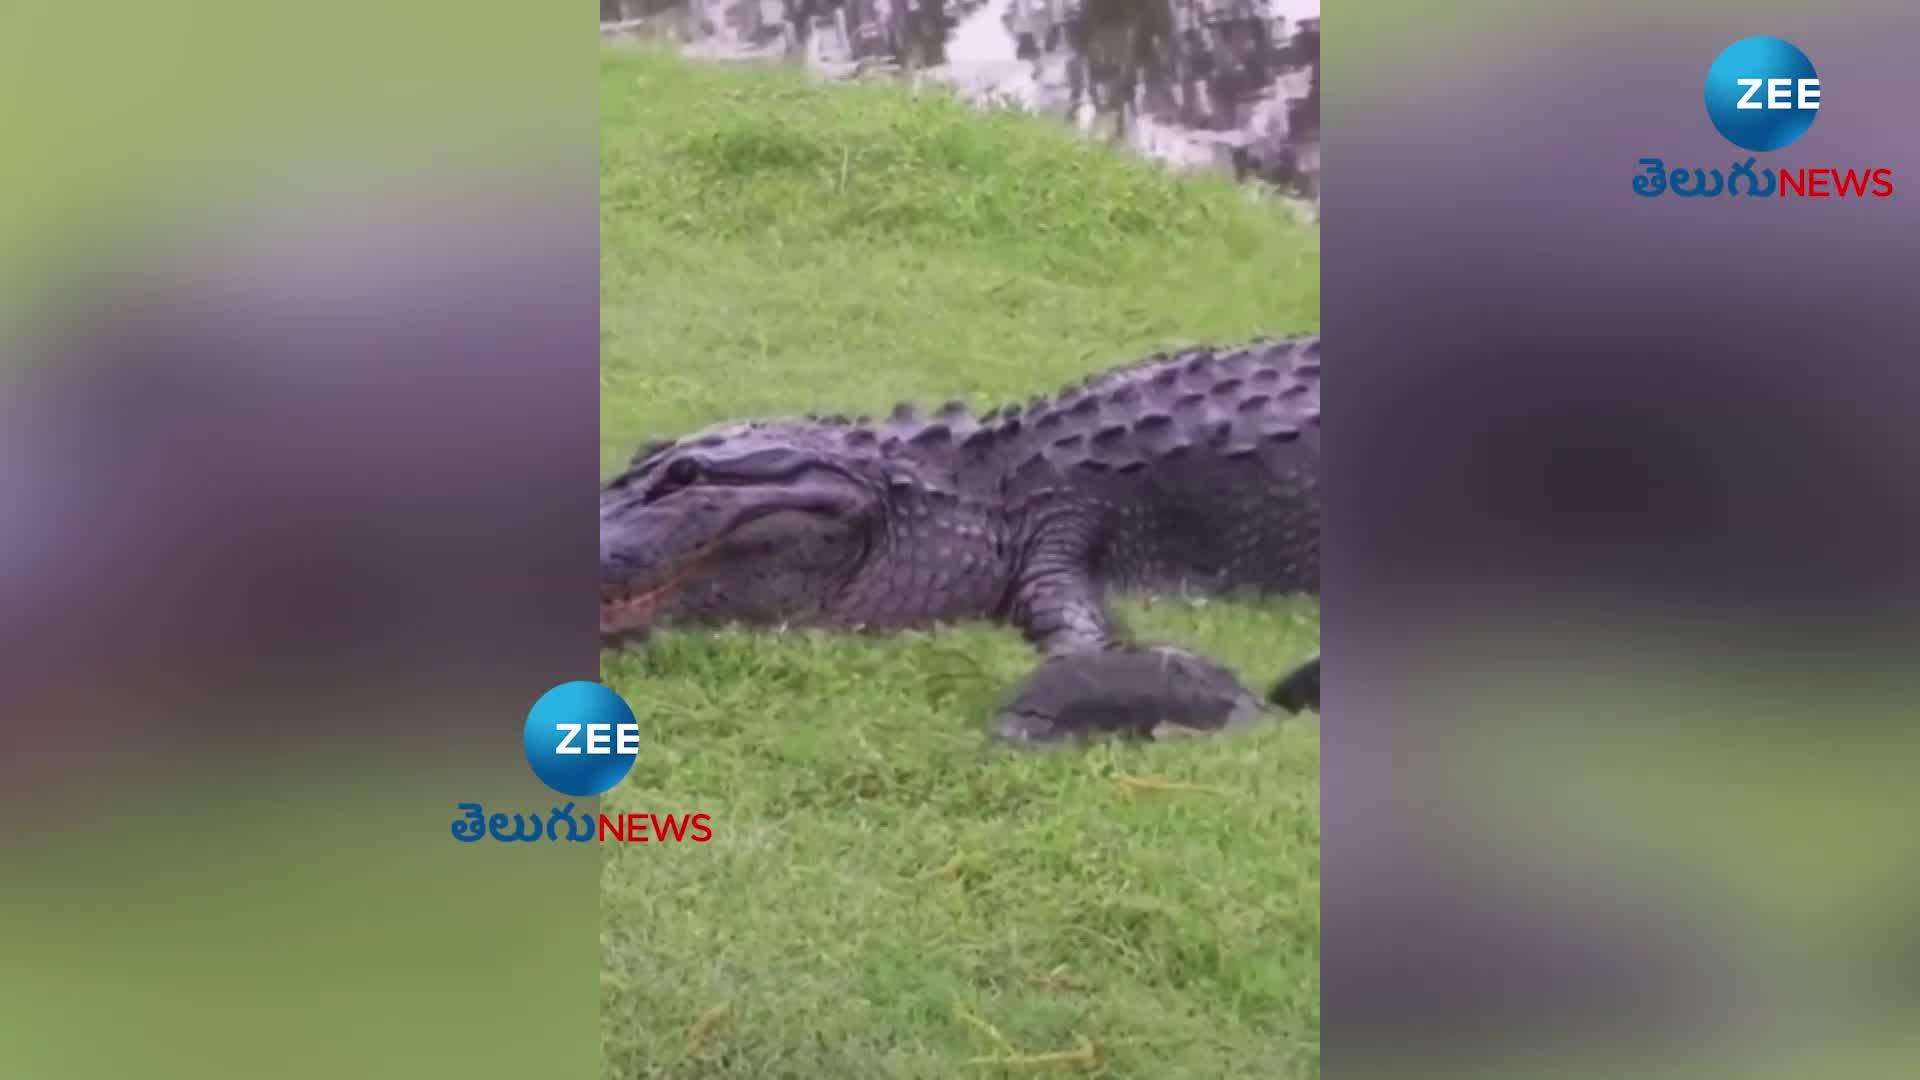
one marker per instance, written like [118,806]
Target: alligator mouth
[627,608]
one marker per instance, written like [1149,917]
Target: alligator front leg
[1092,684]
[1126,691]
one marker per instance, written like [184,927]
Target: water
[1232,85]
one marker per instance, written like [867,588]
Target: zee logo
[581,739]
[598,736]
[1762,93]
[1780,94]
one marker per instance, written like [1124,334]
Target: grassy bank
[886,895]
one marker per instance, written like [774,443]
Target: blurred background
[1619,761]
[297,449]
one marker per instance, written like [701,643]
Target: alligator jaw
[627,610]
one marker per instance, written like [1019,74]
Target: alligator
[1192,471]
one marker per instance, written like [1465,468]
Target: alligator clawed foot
[1150,692]
[1300,690]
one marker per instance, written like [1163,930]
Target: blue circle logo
[1762,93]
[581,739]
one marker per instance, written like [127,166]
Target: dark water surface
[1214,84]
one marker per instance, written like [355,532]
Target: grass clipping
[1082,1056]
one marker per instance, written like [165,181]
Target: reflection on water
[1230,84]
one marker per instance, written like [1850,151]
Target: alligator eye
[680,473]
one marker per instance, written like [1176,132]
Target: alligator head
[757,523]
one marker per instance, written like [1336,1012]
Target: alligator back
[1190,470]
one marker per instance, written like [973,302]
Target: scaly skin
[1191,471]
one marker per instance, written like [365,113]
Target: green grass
[884,886]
